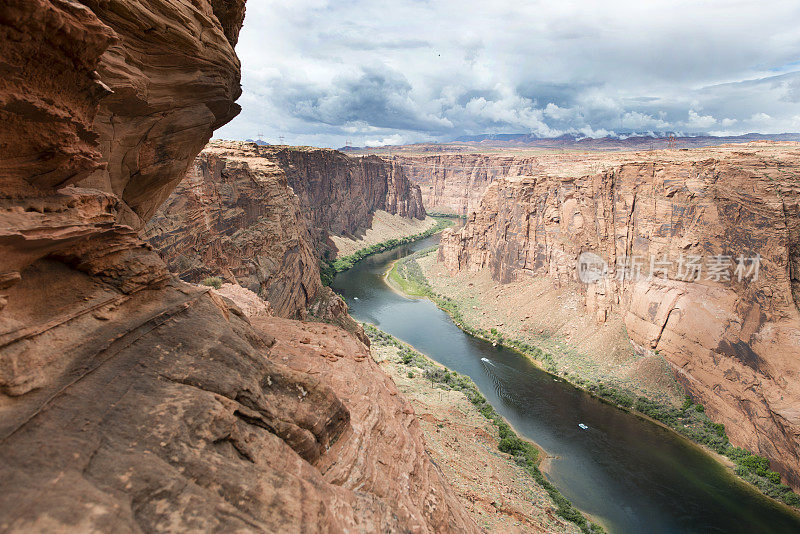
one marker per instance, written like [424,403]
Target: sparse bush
[212,281]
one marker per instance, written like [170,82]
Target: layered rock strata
[132,401]
[241,221]
[261,216]
[734,341]
[454,184]
[173,78]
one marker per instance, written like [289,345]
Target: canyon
[733,342]
[454,183]
[131,400]
[263,216]
[136,398]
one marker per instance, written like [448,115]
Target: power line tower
[260,137]
[280,139]
[671,141]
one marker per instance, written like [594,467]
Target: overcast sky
[401,71]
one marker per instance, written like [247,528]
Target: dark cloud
[377,96]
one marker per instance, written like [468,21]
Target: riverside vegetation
[329,268]
[524,453]
[689,419]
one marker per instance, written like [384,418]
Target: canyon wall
[733,340]
[132,401]
[238,219]
[340,193]
[454,184]
[261,216]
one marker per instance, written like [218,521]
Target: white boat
[583,426]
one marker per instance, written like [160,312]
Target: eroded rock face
[454,184]
[174,77]
[50,53]
[260,216]
[239,219]
[734,344]
[341,192]
[338,194]
[132,401]
[173,412]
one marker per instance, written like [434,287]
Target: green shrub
[329,269]
[790,498]
[212,281]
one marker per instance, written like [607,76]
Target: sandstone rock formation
[132,401]
[454,184]
[174,77]
[239,219]
[338,194]
[260,216]
[735,344]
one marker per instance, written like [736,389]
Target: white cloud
[322,71]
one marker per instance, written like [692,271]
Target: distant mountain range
[633,141]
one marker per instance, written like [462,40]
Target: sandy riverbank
[498,493]
[537,312]
[385,226]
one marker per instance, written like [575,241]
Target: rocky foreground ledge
[132,401]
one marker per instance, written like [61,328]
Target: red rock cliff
[238,218]
[260,216]
[734,344]
[455,183]
[339,193]
[132,401]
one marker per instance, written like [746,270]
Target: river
[631,475]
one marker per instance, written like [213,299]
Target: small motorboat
[583,426]
[355,298]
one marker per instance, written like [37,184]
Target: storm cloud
[399,71]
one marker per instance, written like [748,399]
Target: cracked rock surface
[131,401]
